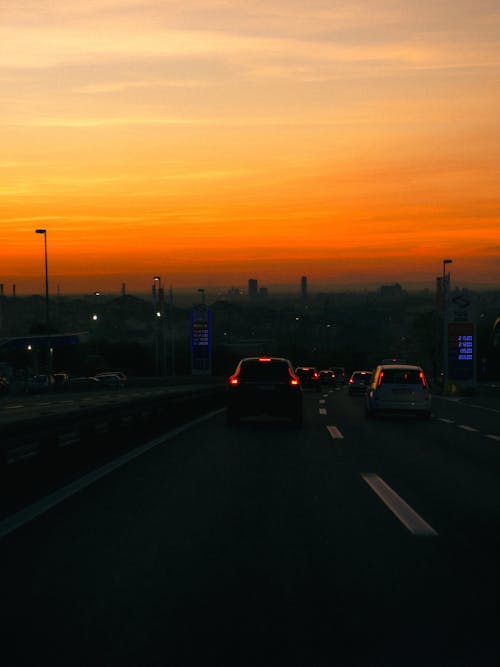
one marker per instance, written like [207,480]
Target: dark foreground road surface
[367,543]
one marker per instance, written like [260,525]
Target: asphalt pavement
[347,542]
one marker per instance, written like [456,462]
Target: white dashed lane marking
[493,437]
[322,411]
[464,427]
[446,421]
[408,517]
[334,432]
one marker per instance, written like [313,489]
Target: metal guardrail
[46,435]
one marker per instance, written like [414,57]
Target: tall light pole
[44,232]
[445,324]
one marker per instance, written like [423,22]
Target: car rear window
[362,377]
[264,370]
[400,376]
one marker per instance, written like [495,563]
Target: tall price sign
[201,346]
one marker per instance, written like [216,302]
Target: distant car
[39,383]
[359,382]
[111,379]
[61,381]
[120,374]
[309,377]
[4,385]
[326,377]
[398,388]
[339,374]
[264,386]
[82,383]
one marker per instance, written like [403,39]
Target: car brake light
[294,382]
[264,359]
[316,375]
[351,381]
[233,380]
[422,379]
[380,378]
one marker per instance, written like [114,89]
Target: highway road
[347,542]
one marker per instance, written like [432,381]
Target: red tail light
[422,379]
[380,378]
[351,381]
[233,380]
[294,379]
[316,375]
[264,359]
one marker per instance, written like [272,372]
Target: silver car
[398,388]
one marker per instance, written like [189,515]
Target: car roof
[264,357]
[412,367]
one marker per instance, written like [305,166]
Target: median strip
[19,519]
[407,516]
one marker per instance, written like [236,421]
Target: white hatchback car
[398,388]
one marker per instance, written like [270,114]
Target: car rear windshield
[264,370]
[362,377]
[400,376]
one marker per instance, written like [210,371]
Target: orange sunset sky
[210,141]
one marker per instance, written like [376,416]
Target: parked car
[39,383]
[264,386]
[339,374]
[4,385]
[309,377]
[398,388]
[359,382]
[61,381]
[110,380]
[119,374]
[85,383]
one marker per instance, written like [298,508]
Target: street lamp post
[44,232]
[48,351]
[445,324]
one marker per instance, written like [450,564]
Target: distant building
[263,292]
[253,288]
[303,287]
[391,292]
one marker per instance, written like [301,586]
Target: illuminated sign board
[201,354]
[461,351]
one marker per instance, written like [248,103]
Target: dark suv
[264,386]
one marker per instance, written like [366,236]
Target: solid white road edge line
[408,517]
[334,432]
[19,519]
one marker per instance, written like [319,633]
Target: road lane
[260,544]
